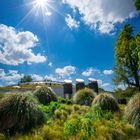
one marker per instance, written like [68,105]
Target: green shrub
[45,95]
[50,109]
[132,111]
[19,113]
[55,132]
[71,127]
[84,97]
[79,126]
[106,102]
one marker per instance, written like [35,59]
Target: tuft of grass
[45,95]
[19,113]
[107,102]
[84,97]
[132,111]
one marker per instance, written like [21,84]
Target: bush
[45,95]
[84,97]
[132,111]
[19,113]
[106,102]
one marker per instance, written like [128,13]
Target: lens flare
[41,3]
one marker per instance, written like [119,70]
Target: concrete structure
[79,84]
[67,88]
[93,85]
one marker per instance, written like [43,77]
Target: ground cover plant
[65,120]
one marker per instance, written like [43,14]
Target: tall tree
[127,59]
[26,78]
[138,46]
[137,4]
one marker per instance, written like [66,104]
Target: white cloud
[102,15]
[108,72]
[13,71]
[13,77]
[72,23]
[50,64]
[66,71]
[16,46]
[37,77]
[51,77]
[88,72]
[2,73]
[105,85]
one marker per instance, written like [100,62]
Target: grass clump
[132,111]
[45,95]
[107,102]
[84,97]
[19,113]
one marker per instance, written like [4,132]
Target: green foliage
[138,46]
[50,109]
[64,100]
[84,97]
[45,95]
[71,127]
[55,132]
[106,102]
[80,126]
[137,4]
[132,111]
[74,122]
[98,113]
[127,93]
[127,59]
[19,113]
[26,78]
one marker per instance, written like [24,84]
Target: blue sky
[62,39]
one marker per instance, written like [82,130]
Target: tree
[26,78]
[127,59]
[138,46]
[137,4]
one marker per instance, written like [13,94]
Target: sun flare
[41,3]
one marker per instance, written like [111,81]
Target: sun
[41,3]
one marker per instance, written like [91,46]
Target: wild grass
[68,121]
[84,97]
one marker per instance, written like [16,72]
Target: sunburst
[41,3]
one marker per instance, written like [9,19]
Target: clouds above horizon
[88,72]
[108,72]
[65,71]
[16,46]
[13,77]
[103,15]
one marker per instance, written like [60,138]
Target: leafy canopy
[127,53]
